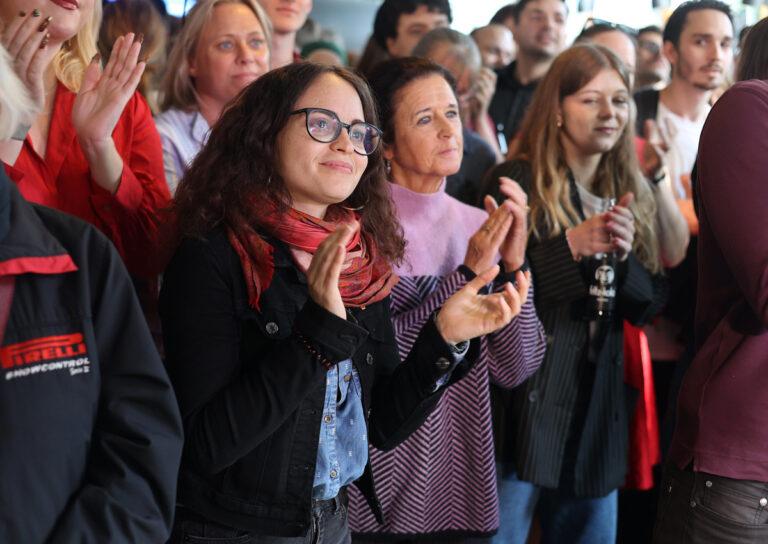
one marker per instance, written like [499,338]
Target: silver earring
[388,166]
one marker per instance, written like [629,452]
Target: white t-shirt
[682,135]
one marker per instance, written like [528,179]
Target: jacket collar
[26,245]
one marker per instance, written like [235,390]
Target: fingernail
[22,14]
[96,58]
[140,37]
[45,24]
[35,12]
[44,42]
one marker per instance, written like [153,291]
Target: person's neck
[310,208]
[283,47]
[413,181]
[583,167]
[210,109]
[684,99]
[528,68]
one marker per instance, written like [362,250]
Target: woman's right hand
[325,269]
[590,237]
[483,247]
[26,39]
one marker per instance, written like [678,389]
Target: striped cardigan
[441,482]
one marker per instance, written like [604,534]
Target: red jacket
[62,180]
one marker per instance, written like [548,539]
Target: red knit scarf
[366,277]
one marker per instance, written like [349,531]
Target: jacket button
[549,339]
[369,359]
[334,473]
[443,364]
[533,396]
[347,377]
[272,328]
[327,418]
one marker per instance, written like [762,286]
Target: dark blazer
[251,393]
[567,426]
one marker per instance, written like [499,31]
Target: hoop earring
[357,209]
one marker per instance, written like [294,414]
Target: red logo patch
[39,350]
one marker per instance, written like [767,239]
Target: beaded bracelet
[326,363]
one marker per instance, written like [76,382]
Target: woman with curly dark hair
[276,315]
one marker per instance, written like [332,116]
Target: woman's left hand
[513,248]
[621,225]
[467,314]
[104,94]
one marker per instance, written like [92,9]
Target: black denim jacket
[251,393]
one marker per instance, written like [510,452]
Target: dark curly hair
[239,163]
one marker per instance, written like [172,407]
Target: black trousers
[701,508]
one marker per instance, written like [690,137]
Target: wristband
[659,177]
[21,133]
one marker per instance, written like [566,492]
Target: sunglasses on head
[602,23]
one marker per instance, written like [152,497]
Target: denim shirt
[343,448]
[342,451]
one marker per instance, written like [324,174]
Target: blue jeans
[563,518]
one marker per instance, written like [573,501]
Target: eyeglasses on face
[325,126]
[592,22]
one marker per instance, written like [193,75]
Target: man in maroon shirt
[715,489]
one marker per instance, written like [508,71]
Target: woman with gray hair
[458,53]
[223,46]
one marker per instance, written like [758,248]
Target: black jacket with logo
[90,433]
[251,394]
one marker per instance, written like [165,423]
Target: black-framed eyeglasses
[602,23]
[325,126]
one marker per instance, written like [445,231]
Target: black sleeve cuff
[466,272]
[505,277]
[336,338]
